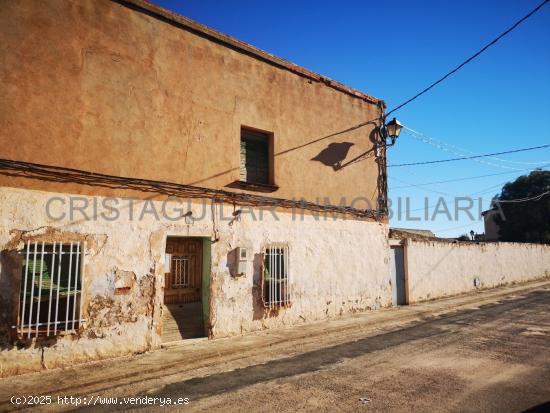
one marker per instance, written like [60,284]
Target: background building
[491,227]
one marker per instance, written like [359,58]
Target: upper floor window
[255,165]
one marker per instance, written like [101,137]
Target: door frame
[402,243]
[206,276]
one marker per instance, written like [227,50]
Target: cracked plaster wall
[337,267]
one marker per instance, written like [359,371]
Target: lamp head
[394,129]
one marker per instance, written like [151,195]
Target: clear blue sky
[393,49]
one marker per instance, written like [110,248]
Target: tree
[527,217]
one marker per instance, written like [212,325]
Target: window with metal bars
[180,272]
[276,277]
[50,300]
[254,166]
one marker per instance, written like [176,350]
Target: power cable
[70,175]
[461,226]
[444,147]
[423,188]
[469,157]
[480,192]
[533,198]
[460,66]
[536,198]
[450,180]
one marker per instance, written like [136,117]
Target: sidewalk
[198,358]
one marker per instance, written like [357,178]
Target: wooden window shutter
[254,163]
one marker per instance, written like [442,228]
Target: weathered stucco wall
[100,86]
[108,87]
[438,269]
[337,267]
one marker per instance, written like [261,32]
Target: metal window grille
[276,277]
[51,288]
[180,271]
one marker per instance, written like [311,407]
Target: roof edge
[159,12]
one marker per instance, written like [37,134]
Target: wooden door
[183,282]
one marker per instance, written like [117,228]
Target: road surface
[494,359]
[487,352]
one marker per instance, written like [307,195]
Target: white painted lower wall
[439,268]
[337,266]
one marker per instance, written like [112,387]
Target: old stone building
[161,180]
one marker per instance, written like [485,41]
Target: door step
[182,321]
[181,343]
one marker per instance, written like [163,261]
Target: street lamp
[391,130]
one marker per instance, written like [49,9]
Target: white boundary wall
[440,268]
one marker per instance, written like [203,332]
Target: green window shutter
[254,165]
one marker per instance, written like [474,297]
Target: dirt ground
[488,352]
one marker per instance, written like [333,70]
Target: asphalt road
[492,359]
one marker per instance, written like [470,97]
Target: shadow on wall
[335,154]
[10,278]
[232,261]
[259,311]
[372,138]
[544,407]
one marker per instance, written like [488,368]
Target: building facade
[491,227]
[160,181]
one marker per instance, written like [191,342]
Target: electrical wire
[445,145]
[460,66]
[445,149]
[450,180]
[470,157]
[423,188]
[533,198]
[62,174]
[461,226]
[480,192]
[489,189]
